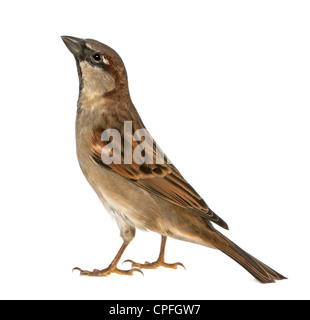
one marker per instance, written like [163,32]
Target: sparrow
[149,195]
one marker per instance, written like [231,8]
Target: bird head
[101,70]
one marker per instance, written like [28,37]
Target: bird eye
[97,57]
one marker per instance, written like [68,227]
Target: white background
[223,86]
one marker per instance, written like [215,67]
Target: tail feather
[256,268]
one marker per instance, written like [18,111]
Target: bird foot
[155,264]
[107,271]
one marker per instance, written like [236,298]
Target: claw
[138,270]
[131,261]
[180,264]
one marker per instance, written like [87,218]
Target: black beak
[75,45]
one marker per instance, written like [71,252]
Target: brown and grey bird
[150,195]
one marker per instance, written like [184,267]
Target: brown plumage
[152,195]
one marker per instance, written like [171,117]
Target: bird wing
[162,179]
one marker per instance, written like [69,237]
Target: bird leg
[112,268]
[159,262]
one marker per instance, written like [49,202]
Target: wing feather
[162,180]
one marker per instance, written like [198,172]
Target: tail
[256,268]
